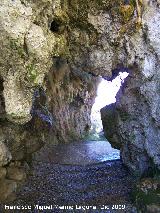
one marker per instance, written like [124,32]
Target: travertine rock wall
[124,37]
[132,123]
[25,58]
[52,52]
[71,96]
[42,99]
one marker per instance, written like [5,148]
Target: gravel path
[102,185]
[78,153]
[106,183]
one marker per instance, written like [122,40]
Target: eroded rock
[5,155]
[59,48]
[3,172]
[135,115]
[16,173]
[7,190]
[147,195]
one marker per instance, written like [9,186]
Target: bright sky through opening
[106,93]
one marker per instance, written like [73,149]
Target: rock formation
[52,53]
[42,99]
[132,123]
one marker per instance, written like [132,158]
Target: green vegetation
[32,72]
[126,12]
[147,198]
[16,116]
[147,191]
[61,47]
[78,9]
[17,48]
[93,136]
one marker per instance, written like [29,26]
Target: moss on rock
[126,12]
[147,193]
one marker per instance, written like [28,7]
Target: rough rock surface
[40,96]
[5,155]
[135,127]
[52,52]
[147,195]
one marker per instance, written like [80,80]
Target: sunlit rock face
[132,123]
[112,43]
[41,98]
[26,48]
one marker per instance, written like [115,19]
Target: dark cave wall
[71,96]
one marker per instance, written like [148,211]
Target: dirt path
[96,184]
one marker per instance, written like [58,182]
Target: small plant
[32,72]
[14,45]
[127,12]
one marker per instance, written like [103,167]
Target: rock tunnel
[52,54]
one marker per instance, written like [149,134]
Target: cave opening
[106,95]
[55,26]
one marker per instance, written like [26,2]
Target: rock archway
[62,60]
[127,124]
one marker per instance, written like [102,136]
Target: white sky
[106,93]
